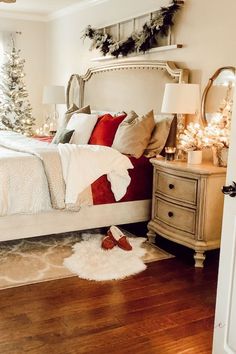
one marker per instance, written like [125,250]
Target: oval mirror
[218,94]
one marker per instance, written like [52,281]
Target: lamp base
[180,124]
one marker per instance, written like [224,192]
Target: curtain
[5,43]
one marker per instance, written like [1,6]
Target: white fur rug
[89,261]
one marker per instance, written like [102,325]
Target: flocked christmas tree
[15,108]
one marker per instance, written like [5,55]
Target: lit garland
[192,138]
[142,41]
[214,135]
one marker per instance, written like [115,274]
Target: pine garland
[142,41]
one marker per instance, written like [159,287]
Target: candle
[170,153]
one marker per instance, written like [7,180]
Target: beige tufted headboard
[124,85]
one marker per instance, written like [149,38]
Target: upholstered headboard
[124,85]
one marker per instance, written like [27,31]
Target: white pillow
[83,125]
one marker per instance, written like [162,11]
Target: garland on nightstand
[142,41]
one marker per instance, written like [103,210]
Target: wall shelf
[153,50]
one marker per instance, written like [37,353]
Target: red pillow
[105,129]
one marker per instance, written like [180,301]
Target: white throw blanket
[84,164]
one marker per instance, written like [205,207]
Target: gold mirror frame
[207,88]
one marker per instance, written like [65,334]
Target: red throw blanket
[140,187]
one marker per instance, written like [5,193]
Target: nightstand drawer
[179,188]
[175,216]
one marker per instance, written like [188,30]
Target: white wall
[204,27]
[55,50]
[32,44]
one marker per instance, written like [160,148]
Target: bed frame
[121,85]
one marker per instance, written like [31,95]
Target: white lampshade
[53,94]
[181,99]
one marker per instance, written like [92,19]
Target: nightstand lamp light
[54,95]
[180,99]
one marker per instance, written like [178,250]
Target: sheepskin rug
[89,261]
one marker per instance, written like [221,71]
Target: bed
[122,85]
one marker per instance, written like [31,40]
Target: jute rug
[41,259]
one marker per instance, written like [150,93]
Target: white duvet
[23,184]
[36,176]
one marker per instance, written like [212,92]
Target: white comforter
[23,184]
[32,173]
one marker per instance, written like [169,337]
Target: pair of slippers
[115,237]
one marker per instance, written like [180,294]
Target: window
[1,49]
[5,44]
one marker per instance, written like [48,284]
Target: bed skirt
[54,222]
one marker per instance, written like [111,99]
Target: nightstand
[187,205]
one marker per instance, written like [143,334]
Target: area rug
[41,259]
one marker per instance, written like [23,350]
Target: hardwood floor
[169,308]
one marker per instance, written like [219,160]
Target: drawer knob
[170,214]
[171,186]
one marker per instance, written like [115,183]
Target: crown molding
[23,16]
[73,8]
[56,14]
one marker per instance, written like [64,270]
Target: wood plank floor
[169,308]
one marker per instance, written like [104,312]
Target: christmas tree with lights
[15,108]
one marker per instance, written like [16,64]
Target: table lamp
[180,99]
[54,95]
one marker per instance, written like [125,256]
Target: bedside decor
[191,141]
[220,156]
[218,138]
[170,153]
[158,26]
[194,157]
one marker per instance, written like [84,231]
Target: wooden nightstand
[187,205]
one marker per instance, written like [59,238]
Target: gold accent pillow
[133,134]
[74,109]
[159,137]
